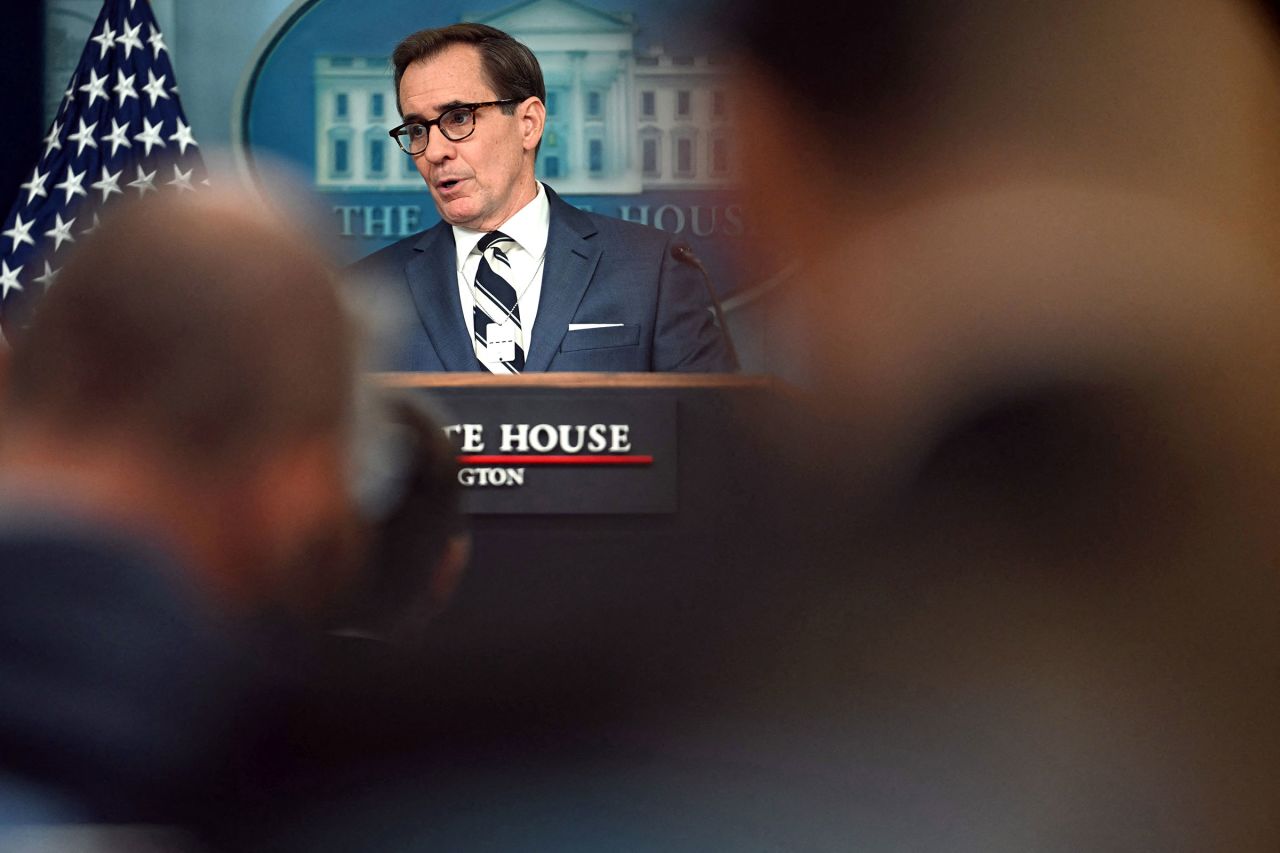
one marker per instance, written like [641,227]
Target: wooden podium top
[573,380]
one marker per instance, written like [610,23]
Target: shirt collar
[528,226]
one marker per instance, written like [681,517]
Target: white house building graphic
[618,122]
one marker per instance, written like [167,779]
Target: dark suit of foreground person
[173,449]
[587,292]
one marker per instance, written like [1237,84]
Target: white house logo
[618,122]
[590,452]
[503,461]
[637,113]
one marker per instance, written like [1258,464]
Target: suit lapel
[570,263]
[433,280]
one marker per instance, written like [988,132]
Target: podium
[574,549]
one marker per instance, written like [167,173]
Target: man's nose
[439,148]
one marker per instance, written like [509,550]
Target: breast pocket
[627,335]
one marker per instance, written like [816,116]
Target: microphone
[683,254]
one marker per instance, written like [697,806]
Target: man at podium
[513,279]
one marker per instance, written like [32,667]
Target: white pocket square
[574,327]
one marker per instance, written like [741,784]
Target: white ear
[533,119]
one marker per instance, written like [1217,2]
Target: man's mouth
[448,184]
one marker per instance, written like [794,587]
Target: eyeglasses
[455,124]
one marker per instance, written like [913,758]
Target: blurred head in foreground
[188,380]
[1040,245]
[982,191]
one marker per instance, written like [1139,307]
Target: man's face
[482,180]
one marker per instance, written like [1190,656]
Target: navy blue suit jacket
[598,270]
[119,687]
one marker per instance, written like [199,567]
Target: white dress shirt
[528,227]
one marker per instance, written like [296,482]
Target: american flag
[119,130]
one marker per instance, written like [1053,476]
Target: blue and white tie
[498,336]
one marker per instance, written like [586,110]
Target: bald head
[193,324]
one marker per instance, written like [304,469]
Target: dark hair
[510,68]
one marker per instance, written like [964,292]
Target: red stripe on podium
[577,459]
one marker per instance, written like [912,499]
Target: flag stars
[96,87]
[61,231]
[156,41]
[8,279]
[72,185]
[50,274]
[181,179]
[53,140]
[150,135]
[118,137]
[145,181]
[105,40]
[20,233]
[183,137]
[154,87]
[35,186]
[47,222]
[129,39]
[109,183]
[83,137]
[124,87]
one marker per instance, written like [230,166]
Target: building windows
[719,155]
[595,104]
[684,158]
[649,154]
[377,154]
[648,105]
[684,103]
[685,162]
[595,156]
[717,104]
[341,162]
[552,159]
[340,105]
[377,105]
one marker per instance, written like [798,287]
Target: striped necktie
[499,341]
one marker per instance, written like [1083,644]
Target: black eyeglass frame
[395,132]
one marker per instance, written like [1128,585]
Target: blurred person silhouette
[174,450]
[358,695]
[1010,580]
[1040,295]
[417,542]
